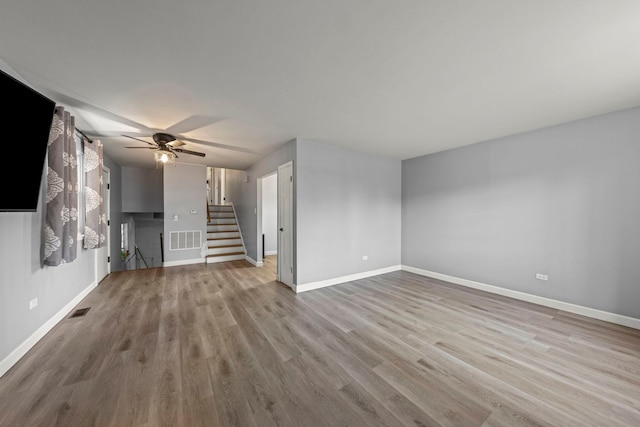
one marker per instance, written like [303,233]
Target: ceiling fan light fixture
[163,157]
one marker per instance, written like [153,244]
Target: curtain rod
[84,136]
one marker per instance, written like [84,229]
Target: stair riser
[216,251]
[227,234]
[222,227]
[221,209]
[224,258]
[222,221]
[224,242]
[222,215]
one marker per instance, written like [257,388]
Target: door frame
[259,245]
[289,235]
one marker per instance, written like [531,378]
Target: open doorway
[216,186]
[269,218]
[275,235]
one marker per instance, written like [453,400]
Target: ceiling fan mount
[167,144]
[162,138]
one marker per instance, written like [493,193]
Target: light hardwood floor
[226,345]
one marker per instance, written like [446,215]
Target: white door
[103,261]
[285,224]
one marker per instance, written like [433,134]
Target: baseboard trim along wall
[253,261]
[349,278]
[184,262]
[23,348]
[619,319]
[267,253]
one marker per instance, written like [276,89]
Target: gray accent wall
[23,278]
[185,189]
[563,201]
[142,190]
[348,205]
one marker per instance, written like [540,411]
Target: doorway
[216,186]
[282,180]
[285,224]
[269,218]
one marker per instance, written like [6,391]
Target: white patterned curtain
[61,217]
[95,219]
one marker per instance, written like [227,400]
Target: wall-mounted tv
[26,122]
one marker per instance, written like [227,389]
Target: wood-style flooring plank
[227,345]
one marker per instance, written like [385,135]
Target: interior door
[103,260]
[285,224]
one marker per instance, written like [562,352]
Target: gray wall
[562,201]
[142,189]
[185,188]
[23,278]
[347,206]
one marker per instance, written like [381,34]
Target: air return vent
[181,240]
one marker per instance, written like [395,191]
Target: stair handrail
[140,252]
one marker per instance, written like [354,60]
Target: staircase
[224,241]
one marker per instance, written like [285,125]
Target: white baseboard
[23,348]
[618,319]
[183,262]
[267,253]
[349,278]
[253,261]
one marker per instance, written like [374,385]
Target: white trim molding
[23,348]
[267,253]
[184,262]
[253,261]
[593,313]
[349,278]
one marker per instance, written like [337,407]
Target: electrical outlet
[364,257]
[540,276]
[33,303]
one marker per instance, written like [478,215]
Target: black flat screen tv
[26,122]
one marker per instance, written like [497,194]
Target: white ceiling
[397,78]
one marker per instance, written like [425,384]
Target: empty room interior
[305,213]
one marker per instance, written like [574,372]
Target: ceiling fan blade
[141,140]
[146,148]
[195,153]
[219,145]
[113,134]
[82,105]
[192,123]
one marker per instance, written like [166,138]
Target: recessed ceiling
[399,79]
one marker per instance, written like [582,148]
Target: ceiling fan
[173,133]
[166,147]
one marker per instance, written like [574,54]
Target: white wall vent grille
[180,240]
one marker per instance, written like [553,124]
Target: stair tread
[226,215]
